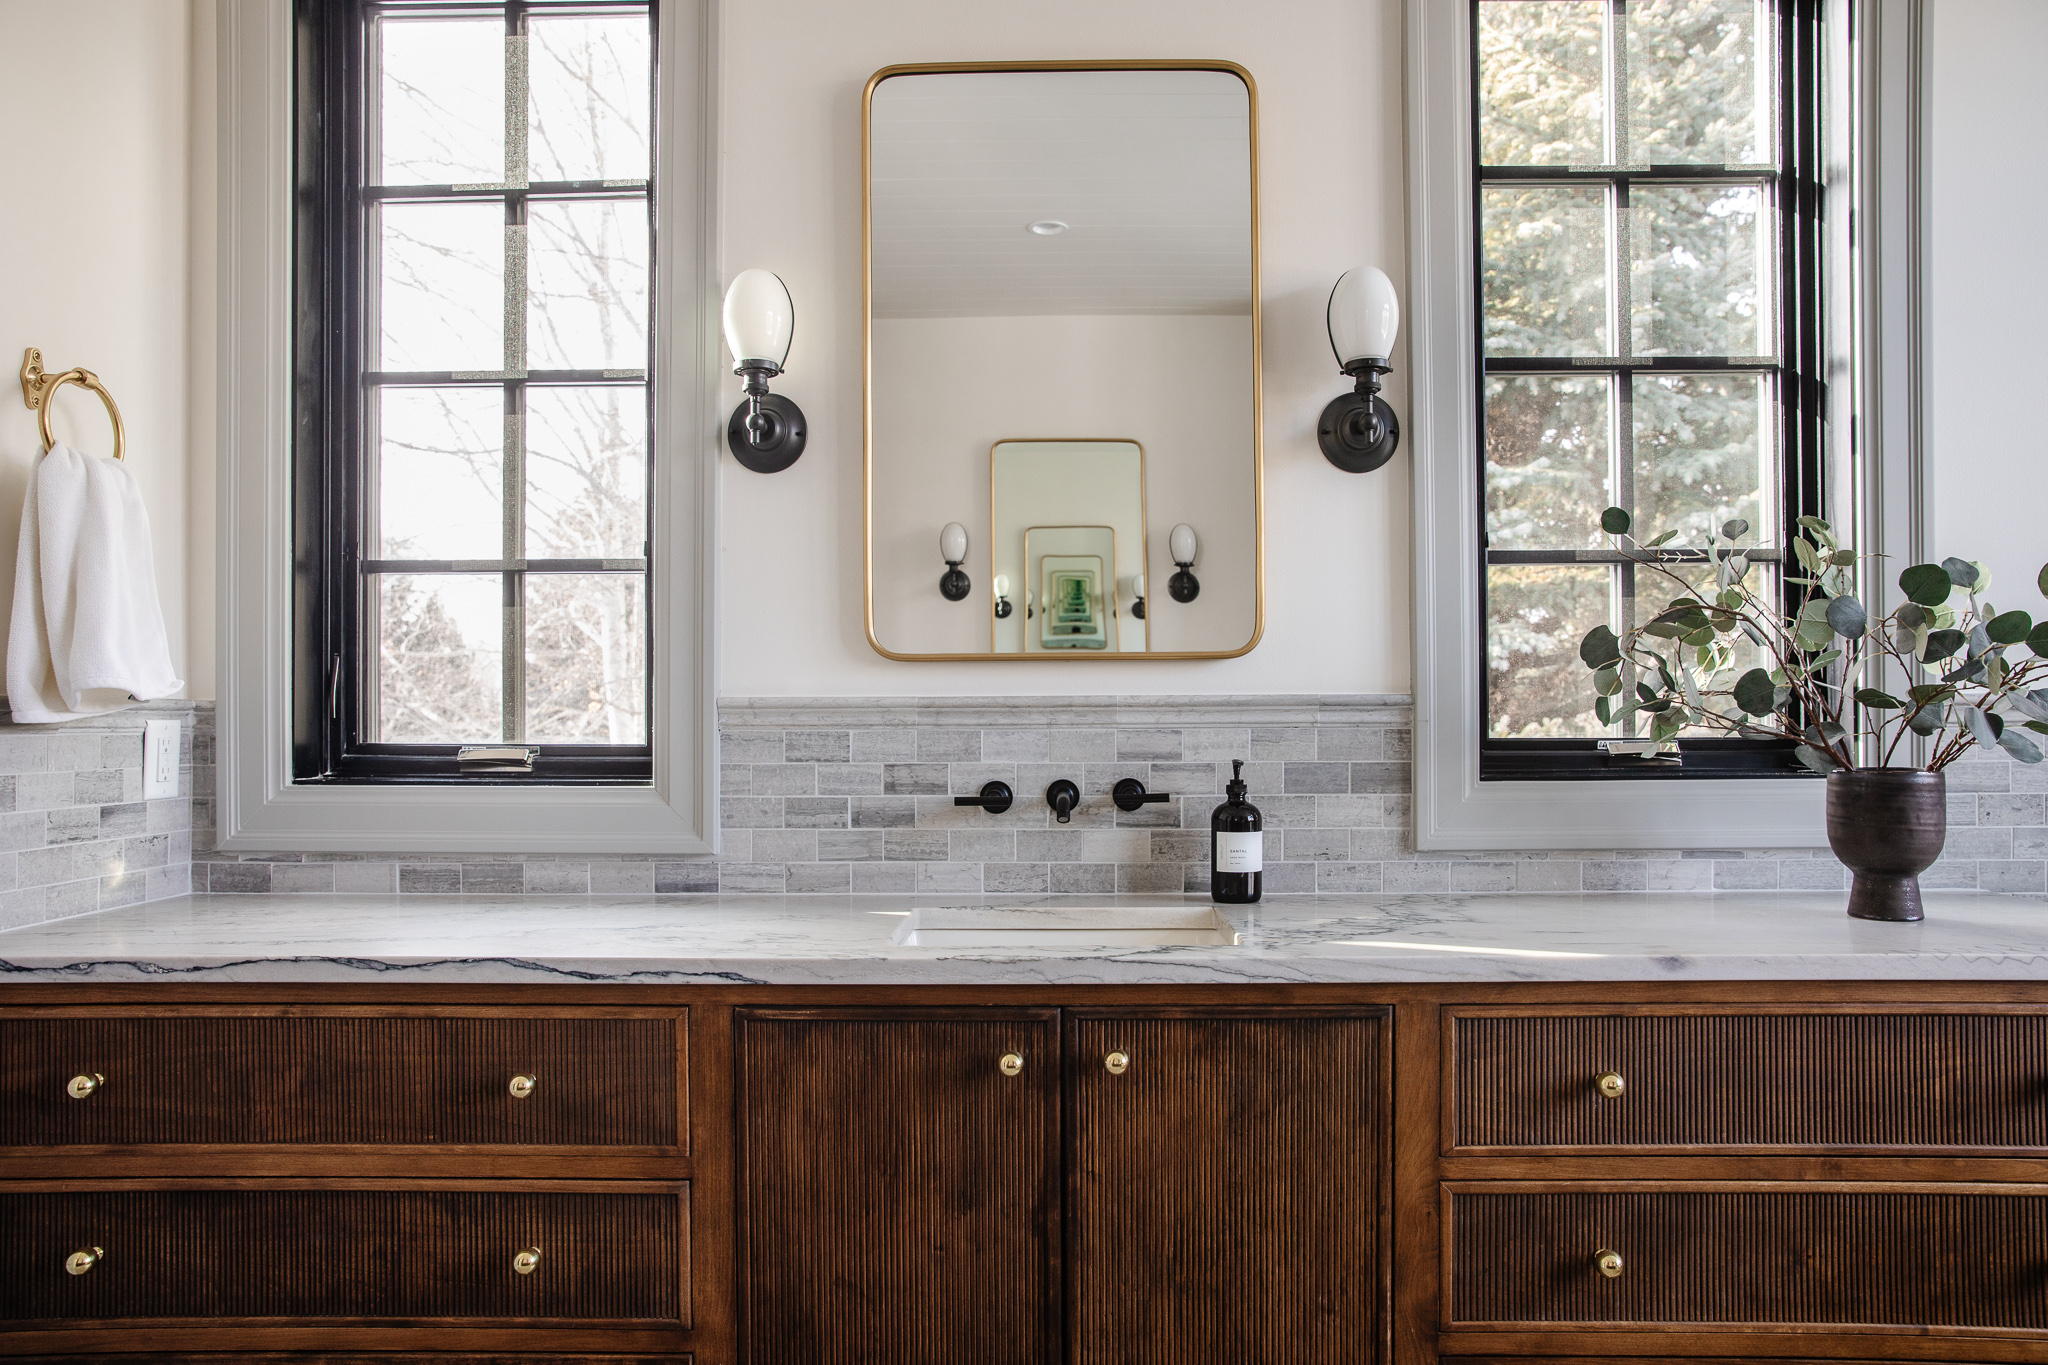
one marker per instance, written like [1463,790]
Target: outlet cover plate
[160,759]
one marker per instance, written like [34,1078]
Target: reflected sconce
[1138,596]
[954,583]
[766,432]
[1358,431]
[1002,587]
[1183,547]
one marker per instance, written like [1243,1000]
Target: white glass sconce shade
[1363,316]
[1138,585]
[759,320]
[1182,544]
[953,543]
[1002,585]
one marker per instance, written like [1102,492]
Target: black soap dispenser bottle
[1236,845]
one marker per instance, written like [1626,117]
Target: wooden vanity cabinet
[732,1174]
[1223,1200]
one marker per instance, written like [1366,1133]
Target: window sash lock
[497,758]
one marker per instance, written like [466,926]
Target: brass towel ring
[37,388]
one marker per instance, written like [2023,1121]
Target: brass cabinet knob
[527,1261]
[522,1086]
[1611,1086]
[83,1084]
[82,1260]
[1117,1063]
[1608,1263]
[1012,1063]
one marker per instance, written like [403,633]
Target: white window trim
[259,808]
[1884,493]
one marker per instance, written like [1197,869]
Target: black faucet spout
[1062,796]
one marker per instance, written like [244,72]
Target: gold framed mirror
[1061,337]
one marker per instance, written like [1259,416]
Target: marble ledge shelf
[811,940]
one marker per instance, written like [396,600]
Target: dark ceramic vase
[1887,827]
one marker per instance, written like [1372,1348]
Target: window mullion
[512,642]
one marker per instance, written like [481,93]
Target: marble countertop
[811,940]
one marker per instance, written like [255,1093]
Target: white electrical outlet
[160,759]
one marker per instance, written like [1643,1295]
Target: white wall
[946,389]
[94,95]
[1987,290]
[1329,74]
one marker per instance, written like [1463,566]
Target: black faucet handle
[1062,796]
[995,798]
[1130,794]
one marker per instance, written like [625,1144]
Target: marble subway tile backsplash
[856,795]
[75,833]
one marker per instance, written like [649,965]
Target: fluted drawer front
[599,1079]
[1974,1257]
[349,1254]
[1823,1080]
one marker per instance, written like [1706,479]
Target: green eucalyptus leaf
[2020,747]
[2033,705]
[1665,539]
[1961,572]
[1607,680]
[1982,725]
[1848,618]
[2042,581]
[2009,627]
[1968,672]
[1927,692]
[1600,647]
[2037,640]
[1980,640]
[1698,639]
[1809,558]
[1816,760]
[2038,727]
[1912,616]
[1843,559]
[1927,584]
[1941,644]
[1615,522]
[1738,528]
[1646,693]
[1755,694]
[1929,719]
[1604,710]
[1756,637]
[1879,701]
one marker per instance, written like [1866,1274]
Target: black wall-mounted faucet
[1130,794]
[1062,796]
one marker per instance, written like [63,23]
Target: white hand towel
[88,632]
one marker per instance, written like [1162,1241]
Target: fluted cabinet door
[1227,1187]
[899,1187]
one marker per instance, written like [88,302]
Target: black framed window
[1648,224]
[474,285]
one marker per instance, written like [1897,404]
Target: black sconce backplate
[783,442]
[954,584]
[1345,432]
[1184,586]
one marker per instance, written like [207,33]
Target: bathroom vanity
[1375,1129]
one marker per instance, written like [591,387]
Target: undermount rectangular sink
[1064,927]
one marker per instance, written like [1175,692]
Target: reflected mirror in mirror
[1063,342]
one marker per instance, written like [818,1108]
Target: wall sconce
[766,433]
[1138,596]
[1358,431]
[954,584]
[1183,547]
[1003,607]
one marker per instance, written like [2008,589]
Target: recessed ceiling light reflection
[1048,227]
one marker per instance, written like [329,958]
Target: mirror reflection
[1062,360]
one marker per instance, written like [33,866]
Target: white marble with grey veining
[845,940]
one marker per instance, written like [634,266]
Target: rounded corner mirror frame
[867,101]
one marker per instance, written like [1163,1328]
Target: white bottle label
[1240,852]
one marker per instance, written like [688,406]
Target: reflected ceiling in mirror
[1062,273]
